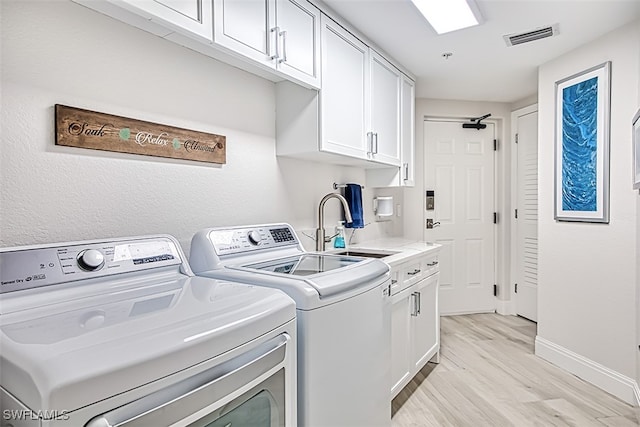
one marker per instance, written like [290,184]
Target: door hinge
[495,217]
[516,138]
[516,288]
[516,213]
[495,290]
[495,145]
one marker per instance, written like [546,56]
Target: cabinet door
[400,340]
[193,18]
[407,131]
[245,28]
[426,324]
[298,24]
[385,111]
[344,97]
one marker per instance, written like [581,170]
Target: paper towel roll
[383,206]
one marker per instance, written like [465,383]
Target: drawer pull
[394,281]
[414,272]
[431,264]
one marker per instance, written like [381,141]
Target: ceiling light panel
[449,15]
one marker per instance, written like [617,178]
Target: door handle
[406,171]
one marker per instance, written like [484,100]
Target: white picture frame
[583,103]
[635,135]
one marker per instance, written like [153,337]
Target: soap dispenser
[338,242]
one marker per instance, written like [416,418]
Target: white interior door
[459,168]
[526,218]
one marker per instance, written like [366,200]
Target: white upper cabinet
[299,34]
[384,123]
[344,98]
[407,131]
[191,18]
[244,26]
[359,99]
[355,118]
[404,174]
[279,34]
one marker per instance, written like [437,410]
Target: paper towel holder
[383,207]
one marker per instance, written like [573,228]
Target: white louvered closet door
[527,216]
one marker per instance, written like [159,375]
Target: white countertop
[402,249]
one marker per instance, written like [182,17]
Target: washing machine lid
[305,265]
[328,275]
[74,353]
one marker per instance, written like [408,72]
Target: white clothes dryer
[343,312]
[120,332]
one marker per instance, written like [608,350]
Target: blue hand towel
[353,194]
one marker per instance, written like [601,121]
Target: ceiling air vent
[529,36]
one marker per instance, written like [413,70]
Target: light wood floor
[489,376]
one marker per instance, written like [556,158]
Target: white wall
[587,272]
[60,52]
[638,267]
[414,198]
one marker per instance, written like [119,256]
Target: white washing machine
[343,308]
[120,333]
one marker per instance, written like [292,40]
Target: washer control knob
[90,259]
[254,237]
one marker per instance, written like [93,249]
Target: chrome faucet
[320,233]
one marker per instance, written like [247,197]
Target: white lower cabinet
[415,320]
[400,340]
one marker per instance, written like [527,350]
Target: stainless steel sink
[366,253]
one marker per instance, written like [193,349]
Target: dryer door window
[260,407]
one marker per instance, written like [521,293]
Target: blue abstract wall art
[582,146]
[579,146]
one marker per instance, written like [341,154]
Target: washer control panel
[25,268]
[252,238]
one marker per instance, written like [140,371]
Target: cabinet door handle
[406,171]
[370,142]
[414,272]
[376,150]
[275,30]
[283,34]
[414,298]
[419,302]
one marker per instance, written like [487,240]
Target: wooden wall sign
[76,127]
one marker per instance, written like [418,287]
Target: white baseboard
[612,382]
[506,308]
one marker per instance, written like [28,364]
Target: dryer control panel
[33,267]
[251,238]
